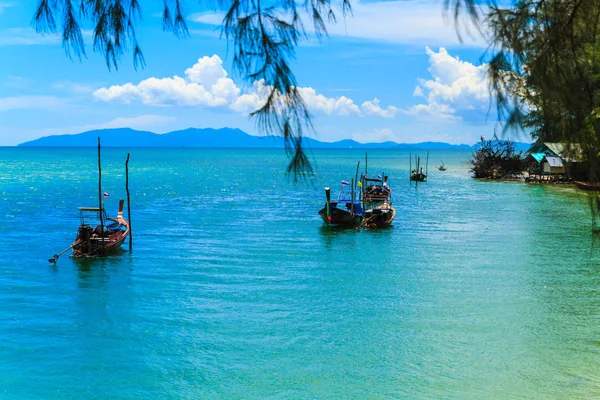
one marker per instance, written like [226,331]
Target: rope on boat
[367,224]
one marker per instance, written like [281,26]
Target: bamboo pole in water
[356,175]
[100,196]
[352,197]
[128,199]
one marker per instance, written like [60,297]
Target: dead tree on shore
[496,159]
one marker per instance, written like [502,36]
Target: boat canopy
[86,215]
[345,196]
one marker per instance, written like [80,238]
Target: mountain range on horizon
[218,138]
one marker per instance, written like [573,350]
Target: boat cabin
[346,198]
[96,217]
[376,190]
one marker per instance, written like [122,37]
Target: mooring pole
[128,198]
[410,168]
[352,197]
[356,175]
[100,196]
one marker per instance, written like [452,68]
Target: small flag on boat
[359,184]
[379,176]
[106,195]
[345,183]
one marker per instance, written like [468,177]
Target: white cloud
[29,102]
[374,136]
[149,121]
[433,111]
[319,104]
[206,84]
[456,86]
[75,87]
[373,108]
[251,101]
[400,21]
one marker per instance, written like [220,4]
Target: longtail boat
[377,202]
[417,174]
[588,186]
[346,211]
[107,234]
[104,238]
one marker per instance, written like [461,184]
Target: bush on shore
[497,159]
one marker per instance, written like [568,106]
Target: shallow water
[235,290]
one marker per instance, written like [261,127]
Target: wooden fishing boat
[346,211]
[105,238]
[376,190]
[377,202]
[588,186]
[418,177]
[380,216]
[417,174]
[107,234]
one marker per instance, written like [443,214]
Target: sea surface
[234,289]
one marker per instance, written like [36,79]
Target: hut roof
[554,161]
[566,151]
[539,157]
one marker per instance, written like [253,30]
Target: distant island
[219,138]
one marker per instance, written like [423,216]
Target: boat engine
[84,233]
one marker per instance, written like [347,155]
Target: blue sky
[395,71]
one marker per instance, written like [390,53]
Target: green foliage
[497,158]
[545,69]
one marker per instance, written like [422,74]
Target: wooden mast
[352,197]
[100,196]
[356,175]
[427,165]
[410,168]
[128,199]
[355,185]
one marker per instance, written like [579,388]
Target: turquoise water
[234,290]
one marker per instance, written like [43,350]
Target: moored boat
[346,211]
[588,186]
[104,238]
[417,174]
[377,202]
[380,216]
[107,234]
